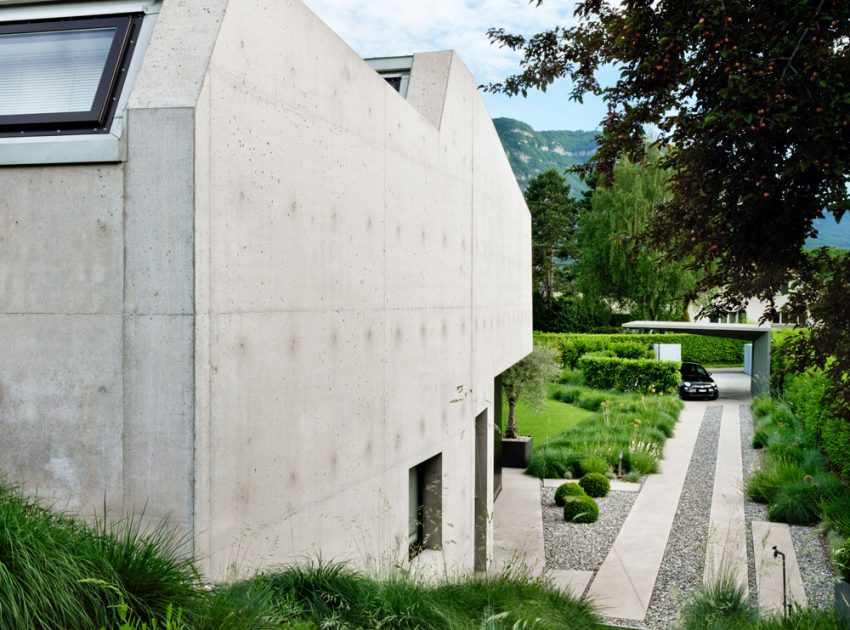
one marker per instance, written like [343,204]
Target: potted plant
[842,586]
[527,380]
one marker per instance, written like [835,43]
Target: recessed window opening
[64,76]
[425,506]
[394,70]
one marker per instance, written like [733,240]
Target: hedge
[699,348]
[644,375]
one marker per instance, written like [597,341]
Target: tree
[553,224]
[754,100]
[615,263]
[528,379]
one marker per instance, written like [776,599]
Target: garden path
[624,583]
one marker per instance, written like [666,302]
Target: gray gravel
[684,559]
[582,547]
[809,545]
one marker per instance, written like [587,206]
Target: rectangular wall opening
[425,506]
[482,440]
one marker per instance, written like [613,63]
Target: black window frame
[99,118]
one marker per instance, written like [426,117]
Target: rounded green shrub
[568,490]
[581,510]
[595,484]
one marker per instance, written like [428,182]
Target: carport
[758,335]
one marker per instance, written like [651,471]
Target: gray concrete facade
[296,287]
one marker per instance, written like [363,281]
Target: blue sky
[376,28]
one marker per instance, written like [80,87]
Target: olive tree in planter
[526,380]
[842,586]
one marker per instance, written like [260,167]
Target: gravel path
[684,559]
[560,538]
[584,547]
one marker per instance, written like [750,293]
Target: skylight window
[63,76]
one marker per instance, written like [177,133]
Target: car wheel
[715,396]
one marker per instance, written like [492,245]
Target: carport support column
[761,365]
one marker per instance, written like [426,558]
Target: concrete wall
[297,287]
[61,377]
[360,256]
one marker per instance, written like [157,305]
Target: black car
[696,382]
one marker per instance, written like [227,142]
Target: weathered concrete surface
[624,582]
[297,287]
[726,551]
[358,265]
[518,524]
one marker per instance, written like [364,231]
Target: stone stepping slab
[769,569]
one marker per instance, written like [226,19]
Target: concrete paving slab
[518,524]
[572,582]
[625,581]
[726,551]
[769,569]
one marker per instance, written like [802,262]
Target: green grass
[553,418]
[723,605]
[794,479]
[638,425]
[56,572]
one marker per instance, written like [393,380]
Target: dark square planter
[516,452]
[842,601]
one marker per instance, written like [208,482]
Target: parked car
[696,382]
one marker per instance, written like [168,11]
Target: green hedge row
[625,375]
[699,348]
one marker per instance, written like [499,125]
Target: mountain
[831,233]
[531,152]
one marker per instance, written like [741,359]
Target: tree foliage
[615,262]
[528,379]
[553,225]
[753,99]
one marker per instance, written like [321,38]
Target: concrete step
[769,568]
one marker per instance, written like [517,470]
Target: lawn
[553,418]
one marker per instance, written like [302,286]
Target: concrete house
[247,285]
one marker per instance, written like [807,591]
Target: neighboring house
[252,287]
[751,313]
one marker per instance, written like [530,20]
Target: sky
[379,28]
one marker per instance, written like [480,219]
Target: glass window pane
[53,71]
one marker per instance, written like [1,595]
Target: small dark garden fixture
[786,607]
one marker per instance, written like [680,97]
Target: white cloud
[376,28]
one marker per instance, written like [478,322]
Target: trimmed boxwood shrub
[631,350]
[568,490]
[581,510]
[644,375]
[699,348]
[595,484]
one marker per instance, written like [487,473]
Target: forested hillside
[531,152]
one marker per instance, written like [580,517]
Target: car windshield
[691,370]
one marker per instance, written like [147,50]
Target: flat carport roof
[758,335]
